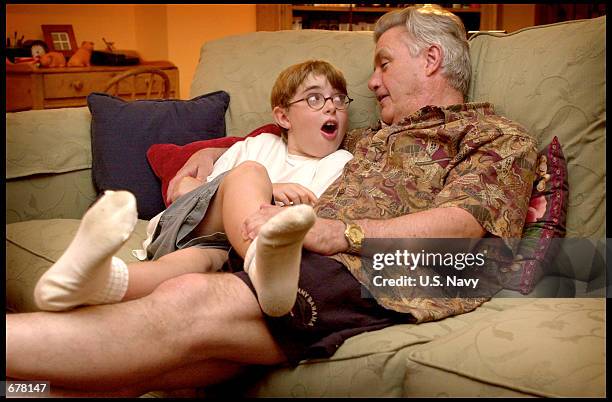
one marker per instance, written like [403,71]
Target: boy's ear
[280,116]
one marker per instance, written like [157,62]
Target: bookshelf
[355,17]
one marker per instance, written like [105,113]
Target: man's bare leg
[184,380]
[186,321]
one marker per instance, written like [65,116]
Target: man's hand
[326,237]
[293,193]
[198,166]
[252,224]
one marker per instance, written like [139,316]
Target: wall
[172,32]
[157,31]
[189,26]
[89,22]
[517,16]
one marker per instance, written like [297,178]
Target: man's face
[398,77]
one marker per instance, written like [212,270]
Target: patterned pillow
[545,221]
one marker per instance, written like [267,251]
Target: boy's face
[314,133]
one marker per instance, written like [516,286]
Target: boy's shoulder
[258,140]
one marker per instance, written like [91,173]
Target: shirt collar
[431,115]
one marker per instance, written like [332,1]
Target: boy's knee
[250,167]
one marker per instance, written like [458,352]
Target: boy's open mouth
[330,129]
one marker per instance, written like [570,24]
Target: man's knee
[201,295]
[182,289]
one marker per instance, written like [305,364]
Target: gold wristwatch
[354,236]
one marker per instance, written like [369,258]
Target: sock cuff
[116,286]
[249,255]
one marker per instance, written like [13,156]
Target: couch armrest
[48,164]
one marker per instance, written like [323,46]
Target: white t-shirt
[271,151]
[316,174]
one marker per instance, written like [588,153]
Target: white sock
[273,259]
[87,272]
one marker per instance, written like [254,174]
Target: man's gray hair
[432,25]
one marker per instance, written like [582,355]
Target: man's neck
[441,94]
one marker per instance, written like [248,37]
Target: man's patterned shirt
[457,156]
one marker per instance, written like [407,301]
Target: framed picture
[60,38]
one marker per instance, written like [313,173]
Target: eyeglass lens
[316,101]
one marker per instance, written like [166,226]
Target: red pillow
[167,159]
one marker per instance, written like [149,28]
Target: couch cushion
[33,246]
[121,133]
[548,347]
[47,141]
[45,196]
[370,364]
[271,52]
[554,88]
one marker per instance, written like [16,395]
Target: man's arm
[327,235]
[199,166]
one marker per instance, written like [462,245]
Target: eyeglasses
[317,101]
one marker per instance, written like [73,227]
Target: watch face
[37,50]
[355,234]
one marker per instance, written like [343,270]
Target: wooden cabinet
[276,17]
[28,87]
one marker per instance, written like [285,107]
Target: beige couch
[551,79]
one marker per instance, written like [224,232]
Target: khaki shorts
[175,227]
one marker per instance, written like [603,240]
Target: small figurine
[82,56]
[110,46]
[53,59]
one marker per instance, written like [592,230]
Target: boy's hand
[292,194]
[186,184]
[198,166]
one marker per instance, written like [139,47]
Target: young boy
[194,233]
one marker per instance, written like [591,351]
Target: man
[438,168]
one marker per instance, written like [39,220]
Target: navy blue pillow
[121,133]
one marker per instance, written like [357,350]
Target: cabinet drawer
[72,85]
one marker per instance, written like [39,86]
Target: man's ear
[280,116]
[433,59]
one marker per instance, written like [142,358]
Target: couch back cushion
[552,80]
[246,67]
[48,149]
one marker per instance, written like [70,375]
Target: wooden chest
[28,87]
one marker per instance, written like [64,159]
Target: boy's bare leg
[279,244]
[240,194]
[273,260]
[186,321]
[145,276]
[87,273]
